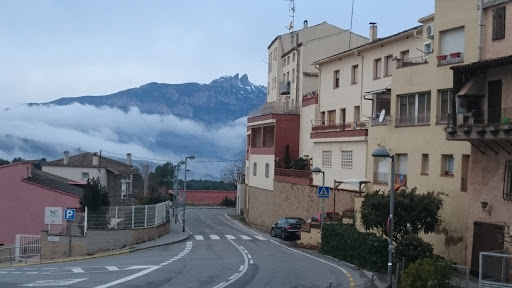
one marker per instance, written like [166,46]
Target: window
[447,162]
[445,105]
[404,55]
[452,41]
[293,57]
[293,75]
[254,168]
[377,68]
[355,74]
[336,79]
[346,159]
[380,169]
[401,170]
[387,65]
[414,109]
[498,23]
[357,114]
[382,102]
[427,49]
[267,170]
[270,62]
[464,173]
[331,117]
[424,164]
[85,175]
[288,60]
[288,76]
[326,158]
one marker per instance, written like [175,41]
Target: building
[419,107]
[25,193]
[273,131]
[117,176]
[481,117]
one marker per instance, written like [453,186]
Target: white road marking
[241,268]
[245,237]
[138,267]
[231,237]
[316,258]
[131,277]
[214,237]
[112,268]
[249,256]
[234,275]
[246,251]
[3,272]
[32,272]
[252,262]
[253,232]
[199,237]
[52,283]
[15,272]
[261,238]
[246,261]
[49,268]
[77,270]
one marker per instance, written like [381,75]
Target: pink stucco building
[24,194]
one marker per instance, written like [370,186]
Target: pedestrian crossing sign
[323,192]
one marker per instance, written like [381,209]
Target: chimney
[305,23]
[66,157]
[95,159]
[373,31]
[29,171]
[129,158]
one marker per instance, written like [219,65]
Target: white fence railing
[495,270]
[27,248]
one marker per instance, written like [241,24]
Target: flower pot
[441,57]
[455,55]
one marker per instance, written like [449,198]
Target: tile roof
[54,182]
[85,161]
[485,64]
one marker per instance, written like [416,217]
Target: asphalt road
[221,252]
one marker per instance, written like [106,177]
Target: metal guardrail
[400,63]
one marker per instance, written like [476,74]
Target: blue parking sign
[69,214]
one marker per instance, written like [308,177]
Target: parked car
[328,217]
[287,227]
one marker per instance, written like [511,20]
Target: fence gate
[27,247]
[495,270]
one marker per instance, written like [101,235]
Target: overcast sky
[56,48]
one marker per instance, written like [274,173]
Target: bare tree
[230,173]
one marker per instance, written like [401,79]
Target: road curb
[160,245]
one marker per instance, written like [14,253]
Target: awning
[379,91]
[474,88]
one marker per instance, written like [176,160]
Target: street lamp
[382,154]
[191,157]
[176,199]
[317,171]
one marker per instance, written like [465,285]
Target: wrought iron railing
[310,95]
[285,87]
[412,121]
[329,126]
[451,58]
[411,62]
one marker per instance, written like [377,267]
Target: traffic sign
[323,192]
[69,214]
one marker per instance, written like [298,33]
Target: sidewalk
[174,236]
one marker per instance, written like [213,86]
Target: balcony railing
[284,87]
[413,121]
[326,126]
[274,108]
[411,62]
[310,95]
[451,58]
[481,124]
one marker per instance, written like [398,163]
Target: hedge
[363,249]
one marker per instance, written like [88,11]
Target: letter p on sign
[69,214]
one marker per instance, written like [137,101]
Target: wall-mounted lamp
[484,205]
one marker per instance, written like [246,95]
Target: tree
[163,176]
[231,172]
[17,159]
[4,162]
[95,198]
[414,212]
[38,164]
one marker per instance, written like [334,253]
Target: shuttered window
[498,23]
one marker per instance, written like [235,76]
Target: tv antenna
[291,8]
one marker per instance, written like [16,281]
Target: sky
[58,48]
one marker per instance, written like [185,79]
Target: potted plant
[441,57]
[455,54]
[506,124]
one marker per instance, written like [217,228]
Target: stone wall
[54,247]
[288,199]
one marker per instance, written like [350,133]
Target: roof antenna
[351,18]
[291,8]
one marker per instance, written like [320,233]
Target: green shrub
[227,202]
[428,273]
[412,248]
[299,164]
[363,249]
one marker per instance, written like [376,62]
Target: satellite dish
[382,114]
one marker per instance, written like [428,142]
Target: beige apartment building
[419,106]
[481,117]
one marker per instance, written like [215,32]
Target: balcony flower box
[441,57]
[493,128]
[450,130]
[455,54]
[506,126]
[480,128]
[465,127]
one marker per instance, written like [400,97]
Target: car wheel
[283,235]
[272,233]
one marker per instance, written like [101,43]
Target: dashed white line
[241,268]
[238,275]
[252,262]
[231,237]
[77,270]
[261,238]
[234,275]
[199,237]
[214,237]
[112,268]
[249,256]
[245,237]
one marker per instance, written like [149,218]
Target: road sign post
[69,214]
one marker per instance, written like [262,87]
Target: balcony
[452,58]
[310,98]
[404,121]
[275,108]
[303,177]
[489,124]
[400,63]
[284,87]
[322,129]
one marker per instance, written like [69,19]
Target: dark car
[287,227]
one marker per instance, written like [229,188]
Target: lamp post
[382,154]
[176,199]
[191,157]
[317,171]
